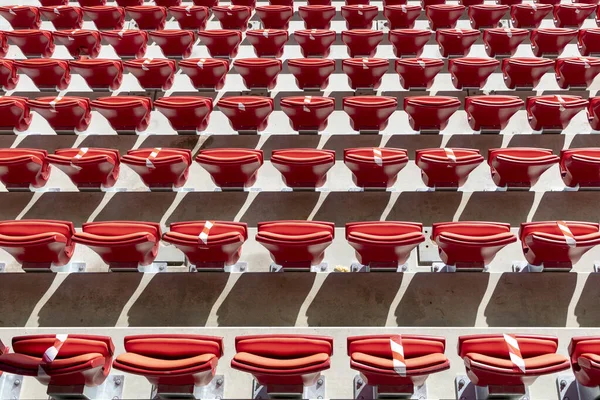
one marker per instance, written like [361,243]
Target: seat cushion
[155,364]
[274,363]
[543,361]
[427,361]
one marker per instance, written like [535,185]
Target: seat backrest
[27,227]
[494,345]
[284,346]
[75,345]
[118,228]
[175,346]
[379,345]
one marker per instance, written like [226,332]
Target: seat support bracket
[10,386]
[364,391]
[466,390]
[214,390]
[316,391]
[112,388]
[570,389]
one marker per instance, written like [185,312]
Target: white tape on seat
[241,107]
[79,156]
[514,352]
[201,62]
[403,7]
[53,103]
[203,236]
[307,100]
[266,33]
[398,359]
[377,156]
[421,63]
[310,35]
[561,103]
[365,62]
[56,11]
[152,157]
[568,235]
[145,63]
[11,11]
[188,9]
[450,154]
[51,353]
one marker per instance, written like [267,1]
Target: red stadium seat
[523,72]
[247,113]
[233,17]
[307,113]
[186,113]
[267,42]
[443,15]
[63,17]
[275,17]
[365,72]
[8,75]
[529,15]
[106,17]
[314,42]
[470,245]
[258,72]
[430,113]
[311,72]
[80,42]
[88,167]
[22,168]
[245,3]
[401,16]
[362,42]
[37,244]
[359,16]
[125,113]
[91,3]
[427,3]
[317,17]
[588,41]
[519,167]
[123,245]
[21,16]
[576,71]
[296,244]
[130,3]
[572,15]
[456,42]
[206,3]
[509,360]
[174,43]
[99,74]
[33,43]
[3,45]
[357,2]
[171,360]
[471,72]
[46,73]
[67,113]
[418,73]
[160,167]
[281,2]
[303,168]
[583,351]
[127,43]
[487,15]
[148,17]
[152,73]
[469,3]
[208,244]
[231,168]
[409,42]
[190,17]
[369,113]
[553,112]
[593,112]
[551,41]
[14,114]
[503,41]
[394,2]
[205,72]
[491,113]
[447,167]
[580,167]
[48,3]
[168,3]
[375,167]
[221,43]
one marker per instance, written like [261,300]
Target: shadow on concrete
[511,207]
[137,206]
[425,207]
[568,206]
[343,207]
[19,294]
[68,206]
[272,206]
[208,206]
[587,310]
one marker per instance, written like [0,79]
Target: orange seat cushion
[543,361]
[154,364]
[273,363]
[427,361]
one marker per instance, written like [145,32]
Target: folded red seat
[247,113]
[443,15]
[46,73]
[21,16]
[529,15]
[519,167]
[486,15]
[375,167]
[152,73]
[430,113]
[491,113]
[447,167]
[69,113]
[267,42]
[127,43]
[32,42]
[365,72]
[205,73]
[470,245]
[553,111]
[580,167]
[22,168]
[148,17]
[418,72]
[98,73]
[123,245]
[258,72]
[79,42]
[208,244]
[3,45]
[576,71]
[88,167]
[369,113]
[311,72]
[456,42]
[471,72]
[14,113]
[283,362]
[232,16]
[572,15]
[125,113]
[359,16]
[174,43]
[106,17]
[307,113]
[362,42]
[275,16]
[160,167]
[221,43]
[588,41]
[524,72]
[8,75]
[186,113]
[303,168]
[409,42]
[317,17]
[584,352]
[401,16]
[190,17]
[296,244]
[314,42]
[593,113]
[503,41]
[63,17]
[231,168]
[507,360]
[551,41]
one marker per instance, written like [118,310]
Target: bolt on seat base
[112,388]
